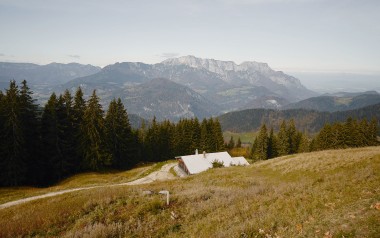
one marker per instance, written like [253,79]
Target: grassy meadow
[245,137]
[321,194]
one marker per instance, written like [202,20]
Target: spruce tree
[30,126]
[293,137]
[71,133]
[195,130]
[238,143]
[217,136]
[119,137]
[373,132]
[151,142]
[12,152]
[56,140]
[205,138]
[272,145]
[78,109]
[93,144]
[261,150]
[324,139]
[283,140]
[351,133]
[231,143]
[304,145]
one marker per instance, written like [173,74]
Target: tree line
[352,133]
[289,140]
[40,146]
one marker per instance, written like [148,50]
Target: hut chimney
[204,154]
[196,151]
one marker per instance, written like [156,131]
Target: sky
[289,35]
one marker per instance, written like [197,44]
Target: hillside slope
[327,193]
[337,103]
[309,120]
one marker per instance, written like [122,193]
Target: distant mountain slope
[50,74]
[135,120]
[338,102]
[165,100]
[267,102]
[312,121]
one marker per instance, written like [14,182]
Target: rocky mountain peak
[218,66]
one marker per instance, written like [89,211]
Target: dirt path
[160,175]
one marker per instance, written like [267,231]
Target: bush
[217,164]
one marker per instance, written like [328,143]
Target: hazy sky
[290,35]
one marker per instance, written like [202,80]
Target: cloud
[74,56]
[168,55]
[1,54]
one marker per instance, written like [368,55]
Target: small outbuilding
[193,164]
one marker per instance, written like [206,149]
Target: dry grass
[243,151]
[308,195]
[76,181]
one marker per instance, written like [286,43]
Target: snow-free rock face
[247,73]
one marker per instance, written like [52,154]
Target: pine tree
[324,139]
[351,133]
[30,127]
[93,145]
[373,132]
[272,145]
[252,154]
[195,130]
[71,132]
[120,141]
[56,139]
[78,109]
[261,147]
[151,142]
[12,151]
[283,140]
[304,145]
[217,136]
[205,138]
[293,137]
[231,143]
[238,143]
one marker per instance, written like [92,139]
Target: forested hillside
[339,102]
[305,120]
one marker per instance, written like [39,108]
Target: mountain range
[174,88]
[223,84]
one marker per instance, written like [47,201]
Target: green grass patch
[245,137]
